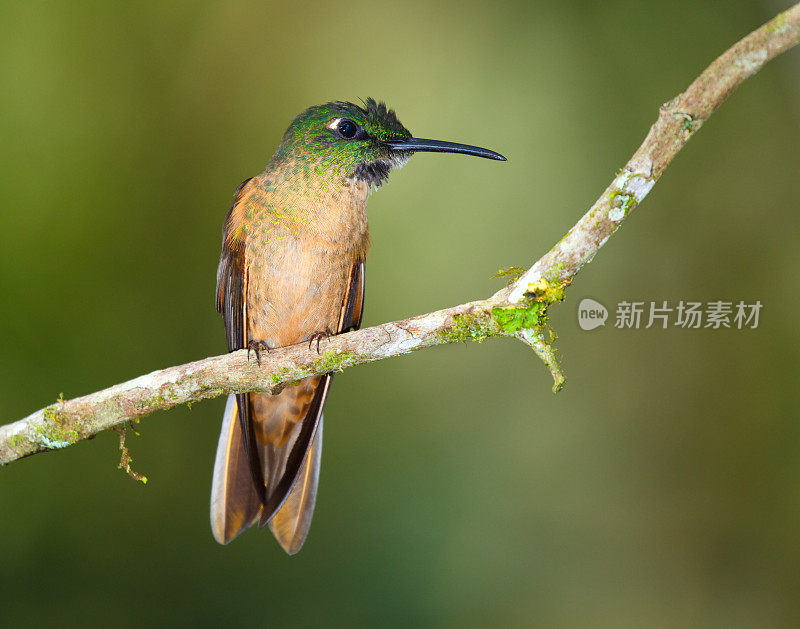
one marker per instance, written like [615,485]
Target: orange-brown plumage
[292,270]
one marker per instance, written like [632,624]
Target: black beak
[438,146]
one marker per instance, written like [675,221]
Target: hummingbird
[294,244]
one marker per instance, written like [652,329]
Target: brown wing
[290,523]
[353,306]
[231,289]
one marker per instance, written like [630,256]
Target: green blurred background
[661,488]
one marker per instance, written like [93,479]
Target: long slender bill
[420,145]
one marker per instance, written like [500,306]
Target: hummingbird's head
[362,143]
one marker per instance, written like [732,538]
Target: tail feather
[235,504]
[291,523]
[286,433]
[284,426]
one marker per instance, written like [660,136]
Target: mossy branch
[519,310]
[68,421]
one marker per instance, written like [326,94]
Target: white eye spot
[334,123]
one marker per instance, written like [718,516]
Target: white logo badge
[591,314]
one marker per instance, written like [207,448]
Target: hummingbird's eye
[347,128]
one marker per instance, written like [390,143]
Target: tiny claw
[318,336]
[257,346]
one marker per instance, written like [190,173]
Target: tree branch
[519,310]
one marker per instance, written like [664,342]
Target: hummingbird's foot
[318,336]
[257,346]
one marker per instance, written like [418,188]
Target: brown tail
[286,430]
